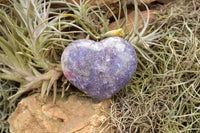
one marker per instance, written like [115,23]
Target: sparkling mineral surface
[99,69]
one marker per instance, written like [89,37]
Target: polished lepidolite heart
[99,69]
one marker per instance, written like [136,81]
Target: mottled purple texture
[100,69]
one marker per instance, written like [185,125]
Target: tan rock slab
[74,114]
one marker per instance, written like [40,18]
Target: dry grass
[6,90]
[165,96]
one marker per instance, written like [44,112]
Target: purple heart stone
[99,69]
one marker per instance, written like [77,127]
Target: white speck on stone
[118,65]
[118,44]
[107,58]
[96,46]
[125,57]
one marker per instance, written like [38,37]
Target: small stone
[67,115]
[99,69]
[131,20]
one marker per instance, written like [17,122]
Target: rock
[99,69]
[74,114]
[131,20]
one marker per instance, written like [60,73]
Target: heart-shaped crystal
[99,69]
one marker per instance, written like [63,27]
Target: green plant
[6,90]
[29,45]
